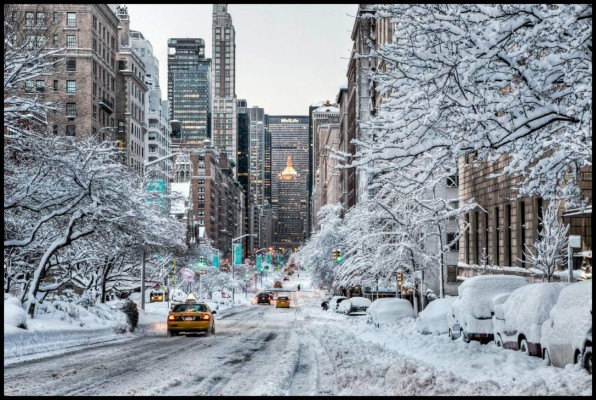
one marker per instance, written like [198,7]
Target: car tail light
[206,317]
[171,318]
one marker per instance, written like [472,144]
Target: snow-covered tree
[315,255]
[70,206]
[488,80]
[550,250]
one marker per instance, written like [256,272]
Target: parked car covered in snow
[354,305]
[564,333]
[334,302]
[472,312]
[518,321]
[389,310]
[433,319]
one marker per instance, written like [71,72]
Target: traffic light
[334,255]
[339,258]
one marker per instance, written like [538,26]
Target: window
[71,86]
[55,86]
[71,110]
[452,273]
[55,40]
[452,181]
[55,129]
[71,19]
[13,16]
[71,130]
[450,238]
[29,19]
[29,86]
[94,112]
[40,86]
[71,64]
[71,41]
[41,18]
[55,18]
[94,22]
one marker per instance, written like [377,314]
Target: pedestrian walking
[298,287]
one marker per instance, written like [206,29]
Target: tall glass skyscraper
[189,89]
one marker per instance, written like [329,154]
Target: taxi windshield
[282,299]
[190,308]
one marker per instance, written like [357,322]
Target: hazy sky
[288,56]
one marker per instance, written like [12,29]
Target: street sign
[259,262]
[201,271]
[575,241]
[237,253]
[215,260]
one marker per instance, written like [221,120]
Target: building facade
[157,112]
[291,214]
[289,137]
[131,93]
[84,85]
[215,194]
[189,88]
[325,126]
[223,79]
[242,169]
[503,224]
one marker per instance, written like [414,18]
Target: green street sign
[215,261]
[259,262]
[237,253]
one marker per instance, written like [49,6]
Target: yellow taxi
[282,302]
[191,316]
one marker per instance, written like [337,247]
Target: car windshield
[190,308]
[282,298]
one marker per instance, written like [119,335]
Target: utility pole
[143,282]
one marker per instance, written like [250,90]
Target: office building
[189,90]
[223,79]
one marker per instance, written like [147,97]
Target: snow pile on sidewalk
[61,326]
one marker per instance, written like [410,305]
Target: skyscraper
[189,91]
[223,88]
[289,137]
[291,211]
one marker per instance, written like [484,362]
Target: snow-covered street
[303,350]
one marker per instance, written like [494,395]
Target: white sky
[288,56]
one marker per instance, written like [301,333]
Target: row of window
[39,18]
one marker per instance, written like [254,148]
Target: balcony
[106,105]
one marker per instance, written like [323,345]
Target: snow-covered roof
[325,108]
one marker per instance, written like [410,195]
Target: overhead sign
[157,186]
